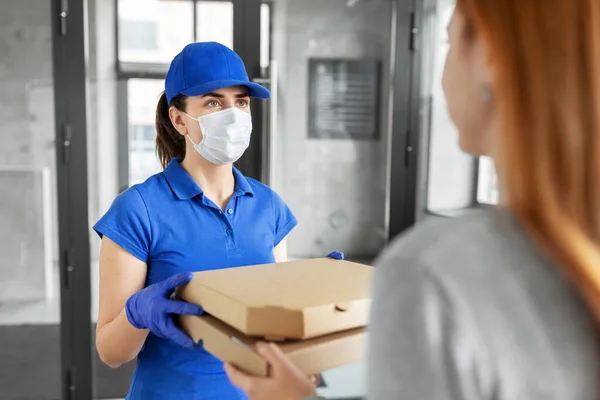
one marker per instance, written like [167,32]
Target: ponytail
[169,143]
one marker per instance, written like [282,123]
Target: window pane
[142,99]
[138,35]
[154,31]
[450,184]
[487,185]
[215,22]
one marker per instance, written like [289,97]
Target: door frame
[405,146]
[69,58]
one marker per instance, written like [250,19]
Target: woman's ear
[485,69]
[177,119]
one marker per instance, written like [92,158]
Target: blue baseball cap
[205,67]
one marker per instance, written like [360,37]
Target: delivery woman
[200,213]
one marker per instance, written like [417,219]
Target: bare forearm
[118,342]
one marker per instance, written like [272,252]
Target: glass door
[43,203]
[30,295]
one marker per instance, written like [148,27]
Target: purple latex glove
[153,308]
[336,255]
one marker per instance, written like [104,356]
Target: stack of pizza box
[316,310]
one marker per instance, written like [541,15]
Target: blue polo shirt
[169,224]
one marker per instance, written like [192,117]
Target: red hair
[546,60]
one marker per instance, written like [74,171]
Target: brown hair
[169,142]
[546,55]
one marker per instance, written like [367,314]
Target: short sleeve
[127,223]
[418,347]
[285,220]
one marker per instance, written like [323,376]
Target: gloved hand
[152,308]
[336,255]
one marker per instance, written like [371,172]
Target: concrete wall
[336,188]
[25,67]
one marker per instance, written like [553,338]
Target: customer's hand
[153,308]
[315,379]
[336,255]
[285,383]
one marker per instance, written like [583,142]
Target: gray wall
[336,188]
[25,66]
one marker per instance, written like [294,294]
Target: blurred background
[355,138]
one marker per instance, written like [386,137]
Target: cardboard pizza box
[311,356]
[291,300]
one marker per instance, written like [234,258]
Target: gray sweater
[469,309]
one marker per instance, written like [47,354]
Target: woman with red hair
[502,304]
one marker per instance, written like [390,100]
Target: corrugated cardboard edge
[311,356]
[308,323]
[250,320]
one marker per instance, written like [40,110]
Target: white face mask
[226,135]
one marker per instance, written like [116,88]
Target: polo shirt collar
[242,186]
[186,188]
